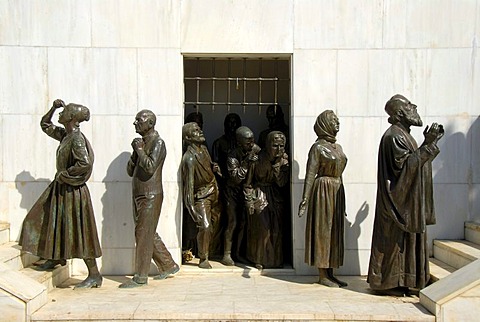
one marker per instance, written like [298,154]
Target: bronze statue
[227,142]
[145,167]
[199,187]
[266,217]
[324,201]
[61,223]
[276,122]
[404,206]
[239,163]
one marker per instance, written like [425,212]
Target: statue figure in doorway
[267,213]
[276,122]
[404,206]
[239,163]
[200,189]
[145,167]
[324,201]
[61,224]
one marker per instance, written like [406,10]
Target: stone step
[11,254]
[456,253]
[472,232]
[50,278]
[4,232]
[439,269]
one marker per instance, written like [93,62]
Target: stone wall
[120,56]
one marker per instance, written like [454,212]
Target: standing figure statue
[145,167]
[324,201]
[267,211]
[239,163]
[404,206]
[200,191]
[61,224]
[276,122]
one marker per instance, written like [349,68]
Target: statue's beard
[414,119]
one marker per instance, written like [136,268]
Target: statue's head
[275,144]
[192,133]
[401,110]
[196,117]
[245,138]
[145,121]
[327,125]
[74,112]
[274,116]
[231,123]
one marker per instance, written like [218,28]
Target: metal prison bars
[235,80]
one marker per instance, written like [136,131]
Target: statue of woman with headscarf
[324,201]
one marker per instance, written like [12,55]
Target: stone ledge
[437,295]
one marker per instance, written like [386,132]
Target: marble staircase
[455,271]
[23,290]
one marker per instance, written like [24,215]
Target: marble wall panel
[170,223]
[367,79]
[111,159]
[160,81]
[1,150]
[21,196]
[414,24]
[114,90]
[360,202]
[170,129]
[451,210]
[23,89]
[474,139]
[71,77]
[355,262]
[130,23]
[112,203]
[4,205]
[35,157]
[314,81]
[46,23]
[359,138]
[454,163]
[475,203]
[249,26]
[303,138]
[426,23]
[449,85]
[338,24]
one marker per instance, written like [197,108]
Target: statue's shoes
[205,264]
[227,261]
[337,281]
[90,282]
[51,263]
[326,282]
[164,275]
[131,284]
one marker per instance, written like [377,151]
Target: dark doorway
[217,86]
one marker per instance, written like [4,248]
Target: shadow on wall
[118,229]
[474,171]
[453,175]
[30,190]
[354,230]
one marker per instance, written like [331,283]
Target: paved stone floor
[226,295]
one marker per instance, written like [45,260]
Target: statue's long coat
[404,206]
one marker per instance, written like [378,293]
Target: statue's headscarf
[323,126]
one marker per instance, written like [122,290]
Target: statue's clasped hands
[137,144]
[433,133]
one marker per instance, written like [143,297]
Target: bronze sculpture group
[248,181]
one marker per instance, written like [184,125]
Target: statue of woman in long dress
[324,201]
[61,223]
